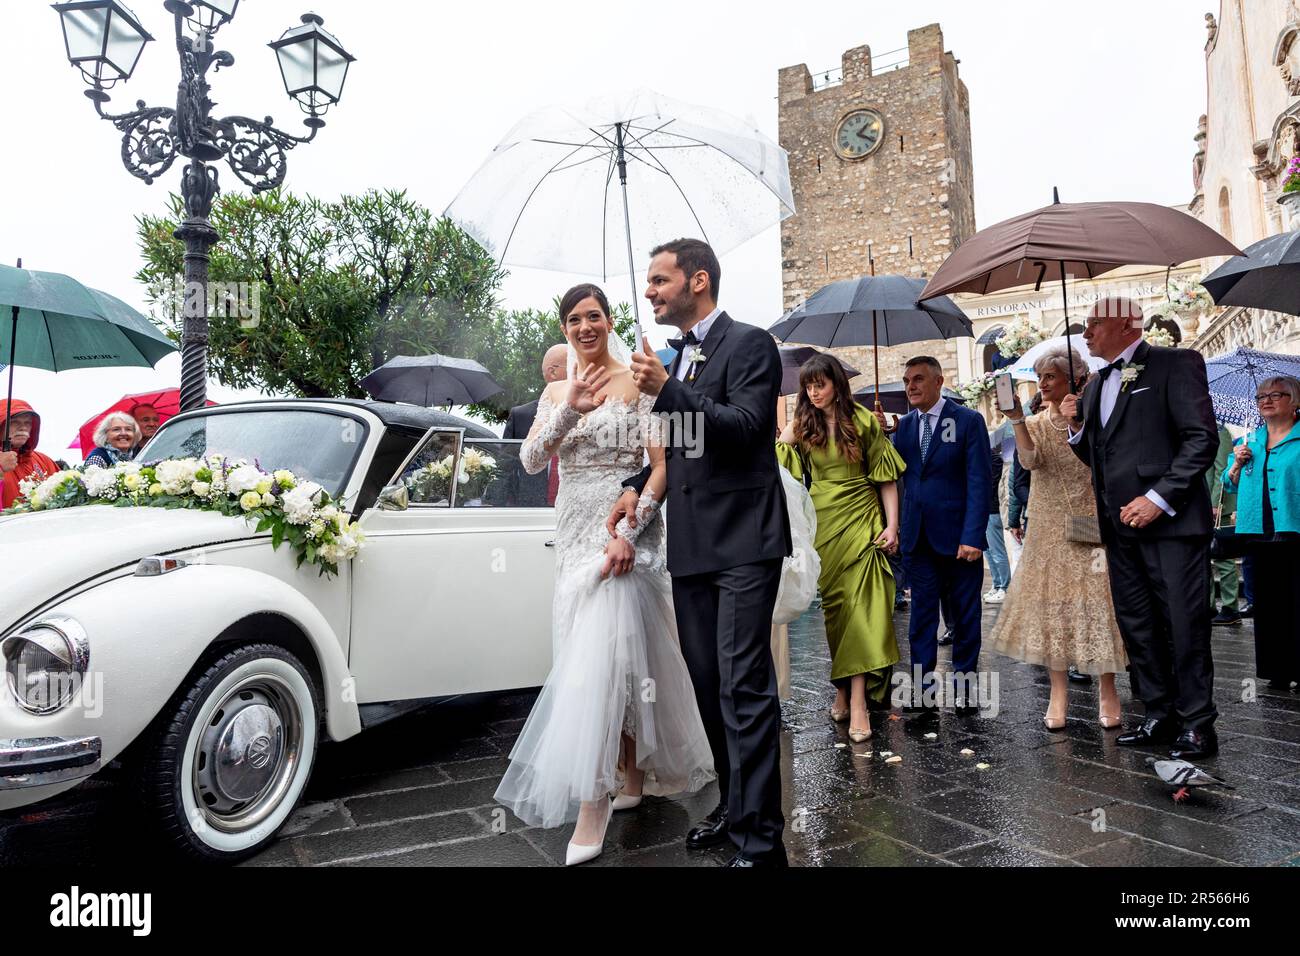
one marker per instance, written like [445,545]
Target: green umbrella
[59,324]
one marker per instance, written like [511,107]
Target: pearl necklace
[1066,428]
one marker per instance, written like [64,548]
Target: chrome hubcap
[247,753]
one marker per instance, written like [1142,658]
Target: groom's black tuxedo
[725,494]
[728,530]
[1161,436]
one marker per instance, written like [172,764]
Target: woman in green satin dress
[854,470]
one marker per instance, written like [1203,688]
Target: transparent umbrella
[586,190]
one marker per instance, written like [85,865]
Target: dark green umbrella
[57,324]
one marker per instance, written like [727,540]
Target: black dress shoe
[711,831]
[1195,745]
[945,638]
[1072,673]
[1152,732]
[1247,610]
[965,708]
[1227,618]
[772,861]
[918,712]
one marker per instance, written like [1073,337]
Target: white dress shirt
[1110,390]
[933,414]
[701,330]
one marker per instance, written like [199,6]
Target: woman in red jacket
[19,459]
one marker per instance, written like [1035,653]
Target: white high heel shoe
[625,802]
[581,853]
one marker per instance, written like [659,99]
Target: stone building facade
[1250,130]
[906,201]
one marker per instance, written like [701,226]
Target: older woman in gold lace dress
[1058,609]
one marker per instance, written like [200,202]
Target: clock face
[859,133]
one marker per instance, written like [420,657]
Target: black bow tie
[1113,366]
[680,344]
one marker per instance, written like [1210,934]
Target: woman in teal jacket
[1265,473]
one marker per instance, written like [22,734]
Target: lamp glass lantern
[208,15]
[313,63]
[104,39]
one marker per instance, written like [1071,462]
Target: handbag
[1079,529]
[801,570]
[1083,529]
[1227,545]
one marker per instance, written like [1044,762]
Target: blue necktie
[926,434]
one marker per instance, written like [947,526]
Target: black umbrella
[792,359]
[893,397]
[431,380]
[872,310]
[1267,276]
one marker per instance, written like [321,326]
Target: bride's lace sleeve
[652,431]
[550,426]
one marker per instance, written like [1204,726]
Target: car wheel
[230,755]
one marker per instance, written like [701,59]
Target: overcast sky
[1100,99]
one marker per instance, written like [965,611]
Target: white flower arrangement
[1184,297]
[293,509]
[432,482]
[1019,337]
[973,390]
[1158,336]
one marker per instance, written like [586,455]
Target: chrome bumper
[37,761]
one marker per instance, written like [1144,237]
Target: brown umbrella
[1083,240]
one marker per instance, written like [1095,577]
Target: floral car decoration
[432,482]
[293,509]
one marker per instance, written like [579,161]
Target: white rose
[201,488]
[101,483]
[243,479]
[297,504]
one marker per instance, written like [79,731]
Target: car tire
[227,760]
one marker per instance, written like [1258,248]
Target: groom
[728,532]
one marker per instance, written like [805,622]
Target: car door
[452,594]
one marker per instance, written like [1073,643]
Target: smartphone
[1006,391]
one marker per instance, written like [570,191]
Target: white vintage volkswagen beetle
[183,636]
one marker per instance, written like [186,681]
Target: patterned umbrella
[1234,380]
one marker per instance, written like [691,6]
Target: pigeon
[1184,775]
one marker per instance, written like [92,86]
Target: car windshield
[316,445]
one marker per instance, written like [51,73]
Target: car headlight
[45,663]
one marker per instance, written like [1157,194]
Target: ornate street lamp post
[104,41]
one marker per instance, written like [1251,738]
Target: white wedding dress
[617,665]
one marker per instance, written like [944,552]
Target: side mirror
[394,498]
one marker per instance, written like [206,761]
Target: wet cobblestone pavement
[418,791]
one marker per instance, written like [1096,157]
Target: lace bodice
[598,452]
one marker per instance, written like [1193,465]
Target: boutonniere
[697,356]
[1129,375]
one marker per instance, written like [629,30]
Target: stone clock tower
[877,156]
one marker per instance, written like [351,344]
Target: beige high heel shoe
[1107,721]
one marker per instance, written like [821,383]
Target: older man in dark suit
[1149,435]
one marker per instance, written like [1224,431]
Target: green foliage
[343,287]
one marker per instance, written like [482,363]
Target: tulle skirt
[618,668]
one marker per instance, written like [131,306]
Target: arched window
[1225,214]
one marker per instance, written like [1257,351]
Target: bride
[617,715]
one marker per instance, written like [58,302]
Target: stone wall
[919,183]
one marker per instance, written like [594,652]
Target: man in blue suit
[945,516]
